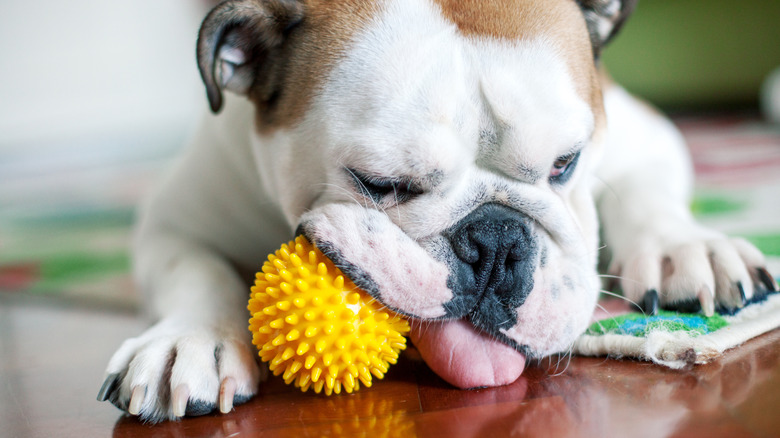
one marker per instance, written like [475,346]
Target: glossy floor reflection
[51,362]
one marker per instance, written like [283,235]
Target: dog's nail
[650,302]
[707,301]
[226,393]
[742,297]
[767,279]
[109,385]
[180,397]
[136,400]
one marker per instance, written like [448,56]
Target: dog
[462,161]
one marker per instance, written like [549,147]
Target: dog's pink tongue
[465,358]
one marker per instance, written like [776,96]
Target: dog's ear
[237,39]
[604,19]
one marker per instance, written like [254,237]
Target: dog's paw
[173,370]
[693,271]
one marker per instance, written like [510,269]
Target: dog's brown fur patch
[559,21]
[505,19]
[308,55]
[320,40]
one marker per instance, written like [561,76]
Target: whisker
[619,278]
[611,318]
[558,364]
[605,311]
[561,357]
[365,190]
[612,294]
[349,194]
[600,248]
[569,355]
[395,197]
[609,188]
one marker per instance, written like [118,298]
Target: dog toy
[679,340]
[315,327]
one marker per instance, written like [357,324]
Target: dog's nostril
[494,261]
[478,244]
[465,247]
[494,242]
[469,254]
[516,253]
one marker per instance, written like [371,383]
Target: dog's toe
[161,376]
[709,274]
[184,405]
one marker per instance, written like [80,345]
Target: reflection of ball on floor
[770,97]
[314,326]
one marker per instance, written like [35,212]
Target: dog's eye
[563,168]
[398,190]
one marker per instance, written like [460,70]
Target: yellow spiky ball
[315,327]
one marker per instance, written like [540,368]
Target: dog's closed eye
[563,167]
[385,189]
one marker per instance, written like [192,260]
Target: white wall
[73,72]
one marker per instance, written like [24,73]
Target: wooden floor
[52,359]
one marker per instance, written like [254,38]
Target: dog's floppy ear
[604,19]
[237,38]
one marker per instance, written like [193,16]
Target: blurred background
[96,97]
[698,55]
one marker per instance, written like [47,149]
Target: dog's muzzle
[492,273]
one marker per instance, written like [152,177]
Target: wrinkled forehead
[558,22]
[419,63]
[426,31]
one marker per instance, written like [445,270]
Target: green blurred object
[768,243]
[74,253]
[61,270]
[694,54]
[712,205]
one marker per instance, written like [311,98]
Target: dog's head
[439,151]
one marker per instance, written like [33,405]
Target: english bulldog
[465,162]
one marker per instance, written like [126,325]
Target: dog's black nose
[496,256]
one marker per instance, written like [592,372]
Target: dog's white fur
[412,97]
